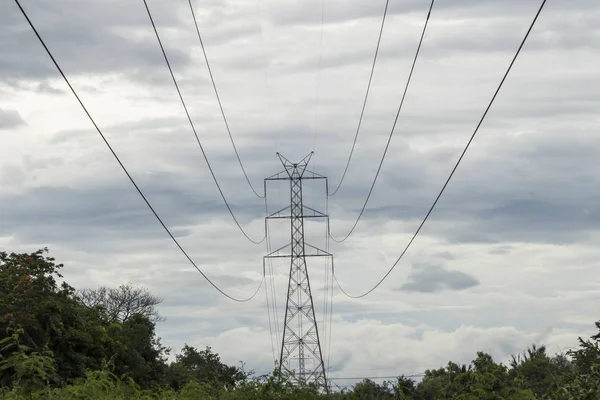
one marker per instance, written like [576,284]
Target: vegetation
[59,343]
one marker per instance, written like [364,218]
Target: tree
[537,371]
[47,316]
[484,379]
[404,388]
[137,352]
[51,319]
[27,282]
[584,380]
[369,390]
[206,367]
[30,370]
[123,302]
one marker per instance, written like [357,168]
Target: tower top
[297,167]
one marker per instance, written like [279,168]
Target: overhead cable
[335,378]
[456,165]
[270,325]
[318,87]
[343,386]
[212,79]
[326,280]
[267,93]
[412,68]
[269,264]
[125,169]
[362,112]
[327,249]
[194,129]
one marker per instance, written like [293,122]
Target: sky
[507,259]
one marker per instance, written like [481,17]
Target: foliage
[206,367]
[57,343]
[23,367]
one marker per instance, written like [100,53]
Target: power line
[330,282]
[194,129]
[327,293]
[270,325]
[212,79]
[412,68]
[457,162]
[274,296]
[389,369]
[327,248]
[317,95]
[267,244]
[365,377]
[267,93]
[125,169]
[411,367]
[376,377]
[272,281]
[362,112]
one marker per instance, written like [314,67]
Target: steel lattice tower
[301,354]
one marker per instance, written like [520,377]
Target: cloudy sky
[507,259]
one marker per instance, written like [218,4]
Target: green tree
[484,379]
[369,390]
[206,367]
[52,318]
[537,371]
[137,353]
[24,368]
[404,388]
[47,315]
[583,383]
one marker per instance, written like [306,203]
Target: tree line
[57,342]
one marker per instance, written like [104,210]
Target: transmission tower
[301,355]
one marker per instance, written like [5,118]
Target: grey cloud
[16,174]
[499,310]
[32,163]
[478,33]
[432,278]
[232,281]
[189,295]
[11,175]
[148,126]
[111,213]
[309,13]
[227,28]
[446,255]
[170,142]
[108,38]
[501,250]
[85,38]
[10,119]
[45,87]
[534,197]
[540,215]
[504,33]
